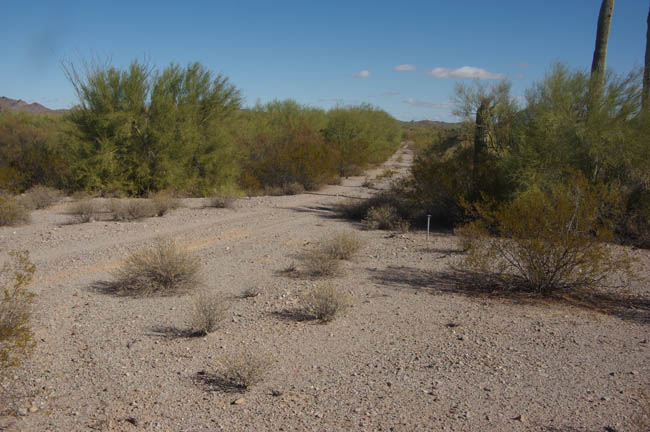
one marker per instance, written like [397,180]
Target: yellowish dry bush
[325,302]
[163,269]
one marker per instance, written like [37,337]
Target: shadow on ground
[623,306]
[216,382]
[171,332]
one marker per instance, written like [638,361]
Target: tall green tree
[141,130]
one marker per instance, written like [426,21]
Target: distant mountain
[21,105]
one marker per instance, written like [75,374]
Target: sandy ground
[416,352]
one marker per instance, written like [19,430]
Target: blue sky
[318,53]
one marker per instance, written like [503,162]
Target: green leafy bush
[547,239]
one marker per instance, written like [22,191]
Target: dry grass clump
[83,210]
[12,212]
[387,173]
[325,302]
[38,197]
[545,240]
[220,201]
[244,369]
[164,202]
[368,183]
[250,292]
[16,337]
[208,311]
[341,245]
[163,269]
[319,263]
[385,217]
[132,209]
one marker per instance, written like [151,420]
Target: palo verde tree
[646,69]
[141,130]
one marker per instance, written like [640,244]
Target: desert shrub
[341,245]
[547,239]
[11,211]
[164,202]
[325,302]
[285,146]
[84,210]
[386,173]
[244,369]
[385,217]
[319,263]
[208,311]
[132,209]
[16,338]
[38,197]
[163,269]
[368,183]
[31,150]
[220,201]
[293,189]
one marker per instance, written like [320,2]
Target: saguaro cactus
[646,69]
[598,64]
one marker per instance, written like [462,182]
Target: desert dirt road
[414,353]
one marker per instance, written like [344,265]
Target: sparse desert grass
[83,210]
[220,201]
[368,183]
[319,263]
[341,245]
[164,202]
[244,369]
[208,311]
[385,217]
[11,211]
[163,269]
[16,337]
[132,209]
[38,197]
[325,302]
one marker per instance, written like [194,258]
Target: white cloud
[405,67]
[423,104]
[465,72]
[363,74]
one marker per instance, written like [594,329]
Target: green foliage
[12,212]
[359,135]
[285,146]
[142,130]
[16,337]
[547,239]
[31,150]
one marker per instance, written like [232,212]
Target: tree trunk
[646,70]
[481,137]
[599,62]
